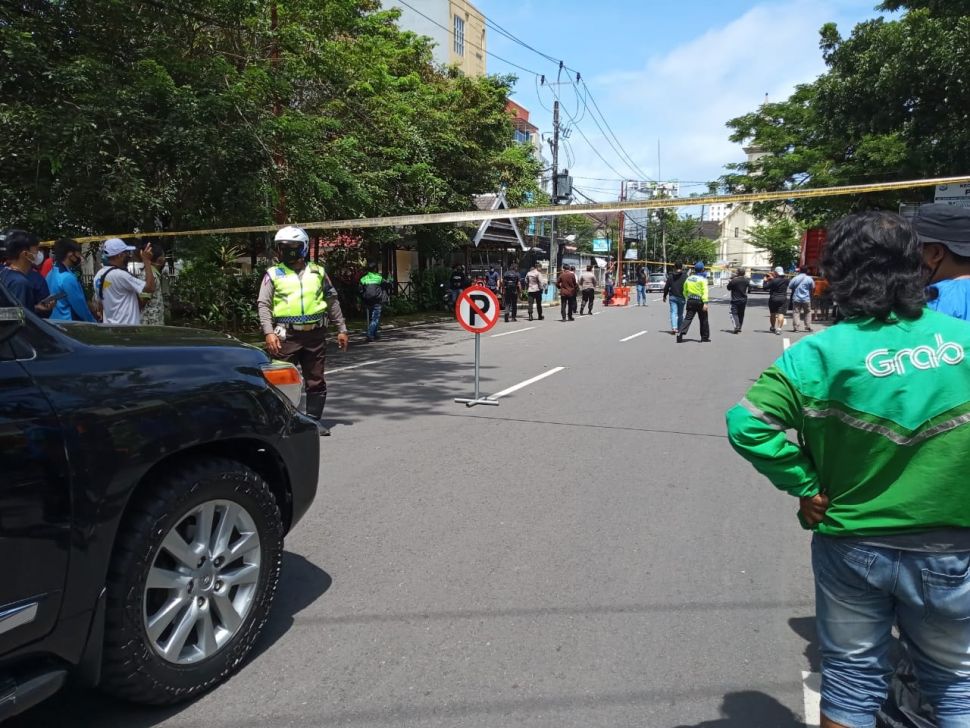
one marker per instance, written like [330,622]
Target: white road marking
[517,331]
[786,342]
[526,383]
[362,364]
[812,686]
[639,333]
[657,299]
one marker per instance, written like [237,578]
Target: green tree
[225,113]
[780,237]
[685,243]
[890,106]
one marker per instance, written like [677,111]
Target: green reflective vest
[298,299]
[695,287]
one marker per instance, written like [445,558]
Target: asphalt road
[589,553]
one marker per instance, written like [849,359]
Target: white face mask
[38,258]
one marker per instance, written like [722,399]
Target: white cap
[116,246]
[779,271]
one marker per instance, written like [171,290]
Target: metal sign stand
[478,399]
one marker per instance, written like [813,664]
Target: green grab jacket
[882,417]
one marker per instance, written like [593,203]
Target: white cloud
[685,96]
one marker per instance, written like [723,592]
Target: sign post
[477,310]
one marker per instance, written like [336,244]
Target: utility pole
[553,244]
[621,236]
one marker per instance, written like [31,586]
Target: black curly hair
[874,267]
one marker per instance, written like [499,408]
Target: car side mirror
[11,321]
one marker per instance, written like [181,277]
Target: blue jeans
[860,591]
[676,312]
[373,320]
[641,294]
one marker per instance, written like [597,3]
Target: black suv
[147,478]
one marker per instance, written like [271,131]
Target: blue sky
[673,71]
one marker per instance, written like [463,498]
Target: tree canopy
[137,114]
[892,105]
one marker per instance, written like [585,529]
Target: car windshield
[657,277]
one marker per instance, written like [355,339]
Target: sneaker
[771,330]
[321,430]
[810,329]
[779,333]
[705,341]
[680,339]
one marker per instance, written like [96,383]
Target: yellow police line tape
[550,210]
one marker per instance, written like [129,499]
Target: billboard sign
[953,194]
[601,245]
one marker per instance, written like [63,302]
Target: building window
[737,232]
[459,36]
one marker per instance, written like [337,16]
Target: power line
[589,95]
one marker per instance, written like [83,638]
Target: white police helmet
[293,234]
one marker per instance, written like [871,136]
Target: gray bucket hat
[947,225]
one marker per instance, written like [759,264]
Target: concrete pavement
[589,553]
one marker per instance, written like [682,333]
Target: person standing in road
[738,286]
[62,279]
[696,292]
[802,286]
[879,406]
[674,290]
[22,251]
[944,233]
[535,286]
[456,284]
[641,286]
[777,287]
[374,294]
[608,287]
[296,299]
[568,287]
[587,287]
[116,290]
[511,289]
[491,280]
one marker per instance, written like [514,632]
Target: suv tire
[207,510]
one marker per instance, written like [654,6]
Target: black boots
[314,409]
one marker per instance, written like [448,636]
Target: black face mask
[290,255]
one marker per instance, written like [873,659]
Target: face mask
[290,255]
[929,274]
[38,258]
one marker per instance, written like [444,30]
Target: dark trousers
[696,308]
[737,313]
[589,295]
[567,305]
[537,298]
[308,350]
[511,301]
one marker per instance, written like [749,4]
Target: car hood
[146,336]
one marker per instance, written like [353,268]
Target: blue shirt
[951,297]
[75,306]
[803,285]
[20,287]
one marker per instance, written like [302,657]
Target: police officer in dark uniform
[456,284]
[511,288]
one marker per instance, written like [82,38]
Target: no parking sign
[477,309]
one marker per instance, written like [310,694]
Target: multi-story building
[717,212]
[525,131]
[456,27]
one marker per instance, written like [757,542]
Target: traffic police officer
[295,300]
[512,287]
[695,291]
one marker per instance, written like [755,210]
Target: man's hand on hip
[813,508]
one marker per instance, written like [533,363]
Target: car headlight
[286,378]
